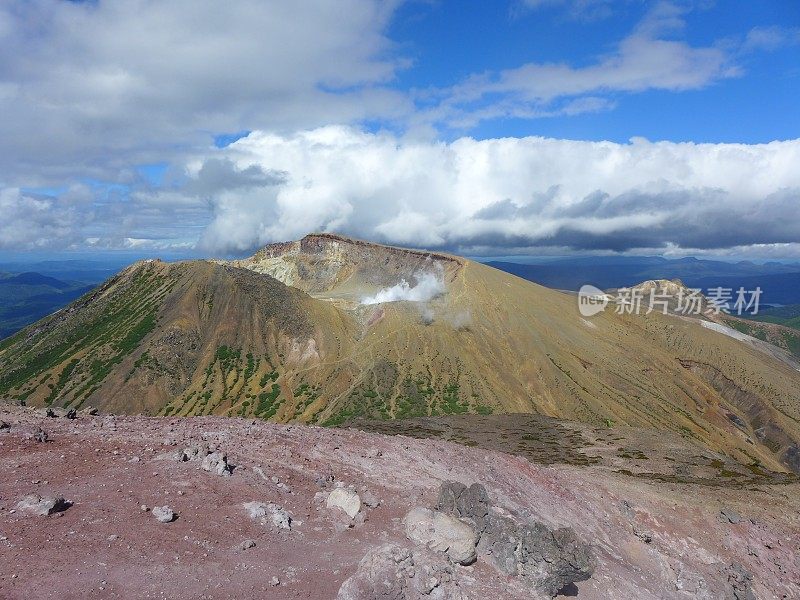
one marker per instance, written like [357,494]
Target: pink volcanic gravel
[652,540]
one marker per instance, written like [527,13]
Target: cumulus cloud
[31,221]
[88,90]
[512,193]
[93,87]
[428,286]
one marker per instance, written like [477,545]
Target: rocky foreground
[134,507]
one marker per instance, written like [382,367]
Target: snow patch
[729,331]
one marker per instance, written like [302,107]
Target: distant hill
[788,316]
[27,297]
[30,290]
[73,269]
[780,282]
[328,329]
[34,279]
[777,288]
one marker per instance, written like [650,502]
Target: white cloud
[770,38]
[89,89]
[34,221]
[93,87]
[585,10]
[647,59]
[509,193]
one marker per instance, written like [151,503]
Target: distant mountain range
[780,282]
[32,290]
[27,297]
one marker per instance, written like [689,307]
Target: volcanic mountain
[328,329]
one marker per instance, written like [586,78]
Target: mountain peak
[341,266]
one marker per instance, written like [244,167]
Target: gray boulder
[464,502]
[726,515]
[443,533]
[245,545]
[40,435]
[345,499]
[394,573]
[548,560]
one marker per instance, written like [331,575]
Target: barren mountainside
[328,329]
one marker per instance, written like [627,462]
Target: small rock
[645,536]
[192,453]
[278,516]
[163,514]
[144,508]
[369,499]
[275,581]
[345,499]
[325,479]
[217,463]
[360,519]
[71,414]
[727,515]
[260,472]
[43,505]
[627,509]
[373,452]
[4,425]
[740,581]
[40,435]
[245,545]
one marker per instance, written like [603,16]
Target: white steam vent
[429,286]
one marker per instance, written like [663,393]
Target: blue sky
[204,128]
[450,40]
